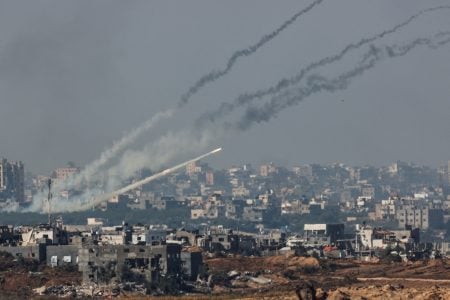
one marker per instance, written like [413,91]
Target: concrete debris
[260,280]
[233,274]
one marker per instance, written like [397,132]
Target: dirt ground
[336,279]
[278,277]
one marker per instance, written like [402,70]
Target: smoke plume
[155,155]
[317,83]
[170,146]
[188,141]
[246,98]
[129,138]
[214,75]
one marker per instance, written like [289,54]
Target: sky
[76,76]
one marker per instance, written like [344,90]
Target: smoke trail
[187,141]
[87,174]
[92,168]
[244,99]
[214,75]
[316,83]
[156,155]
[117,147]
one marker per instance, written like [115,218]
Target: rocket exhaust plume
[214,75]
[103,198]
[316,83]
[246,98]
[93,168]
[117,147]
[129,138]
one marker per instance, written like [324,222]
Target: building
[64,173]
[419,217]
[323,233]
[193,168]
[102,264]
[369,238]
[386,210]
[12,178]
[267,169]
[209,177]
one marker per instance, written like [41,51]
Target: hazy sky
[76,75]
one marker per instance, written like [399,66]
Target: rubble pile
[82,291]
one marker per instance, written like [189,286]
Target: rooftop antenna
[49,198]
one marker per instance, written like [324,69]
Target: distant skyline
[76,75]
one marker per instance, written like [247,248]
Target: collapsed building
[106,254]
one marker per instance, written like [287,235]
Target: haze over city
[240,149]
[78,75]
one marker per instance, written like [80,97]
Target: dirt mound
[304,262]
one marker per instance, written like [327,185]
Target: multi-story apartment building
[419,217]
[11,180]
[64,173]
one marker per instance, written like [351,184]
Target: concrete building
[64,173]
[59,255]
[369,238]
[419,217]
[103,264]
[6,234]
[267,169]
[209,178]
[323,233]
[192,260]
[36,252]
[12,178]
[386,210]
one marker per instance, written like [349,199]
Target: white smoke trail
[175,144]
[90,173]
[247,98]
[116,148]
[86,175]
[172,145]
[167,149]
[317,83]
[214,75]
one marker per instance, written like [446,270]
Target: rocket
[105,197]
